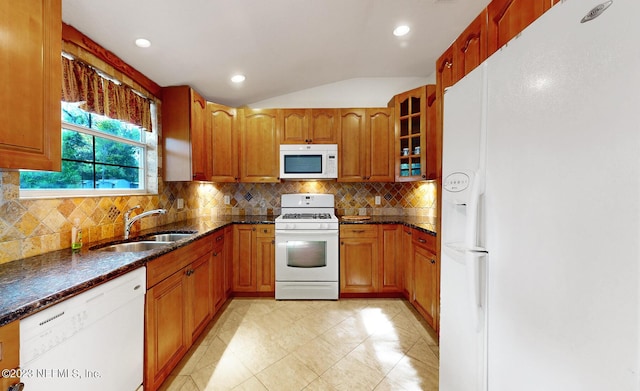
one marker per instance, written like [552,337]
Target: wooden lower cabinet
[369,261]
[199,295]
[218,270]
[228,260]
[9,353]
[265,260]
[253,258]
[359,265]
[407,263]
[166,334]
[391,271]
[178,307]
[426,277]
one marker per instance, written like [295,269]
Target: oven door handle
[292,232]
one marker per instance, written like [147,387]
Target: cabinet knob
[215,254]
[433,261]
[219,238]
[342,243]
[253,229]
[265,230]
[424,176]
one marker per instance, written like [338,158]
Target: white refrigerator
[541,209]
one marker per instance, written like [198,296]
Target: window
[100,155]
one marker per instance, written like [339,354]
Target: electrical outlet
[227,200]
[180,203]
[378,201]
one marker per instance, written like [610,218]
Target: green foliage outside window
[90,161]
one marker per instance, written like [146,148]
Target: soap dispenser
[76,236]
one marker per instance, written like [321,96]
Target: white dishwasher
[92,341]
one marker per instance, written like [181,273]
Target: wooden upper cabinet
[507,18]
[186,135]
[445,70]
[366,142]
[260,151]
[295,126]
[323,127]
[410,135]
[317,126]
[433,158]
[379,165]
[224,143]
[351,149]
[30,75]
[470,49]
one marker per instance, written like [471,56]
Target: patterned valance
[82,83]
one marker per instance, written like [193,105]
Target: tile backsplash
[34,226]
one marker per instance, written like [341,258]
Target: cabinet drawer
[265,230]
[424,239]
[166,265]
[359,231]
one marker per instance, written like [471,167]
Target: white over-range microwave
[308,161]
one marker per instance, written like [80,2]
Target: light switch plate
[378,201]
[227,200]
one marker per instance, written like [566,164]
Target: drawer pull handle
[219,238]
[422,240]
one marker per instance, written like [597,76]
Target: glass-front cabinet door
[414,140]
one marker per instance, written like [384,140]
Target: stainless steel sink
[169,237]
[133,247]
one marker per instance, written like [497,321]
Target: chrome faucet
[128,222]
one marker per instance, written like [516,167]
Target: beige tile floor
[350,344]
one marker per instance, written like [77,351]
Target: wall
[34,226]
[357,92]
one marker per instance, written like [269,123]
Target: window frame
[146,147]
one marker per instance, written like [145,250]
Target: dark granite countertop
[425,224]
[32,284]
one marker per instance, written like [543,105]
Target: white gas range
[307,259]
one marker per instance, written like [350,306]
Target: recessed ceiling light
[143,43]
[401,30]
[238,78]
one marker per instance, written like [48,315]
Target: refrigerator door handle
[473,211]
[473,260]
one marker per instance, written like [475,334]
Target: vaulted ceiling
[282,46]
